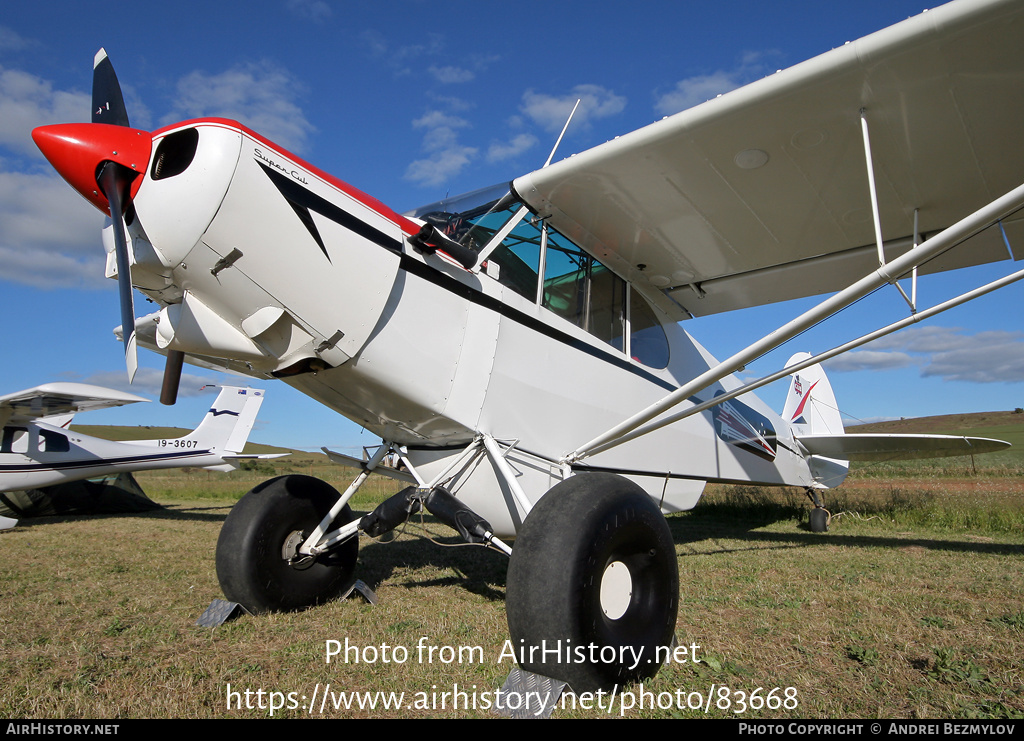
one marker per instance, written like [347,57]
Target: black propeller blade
[115,180]
[107,102]
[108,107]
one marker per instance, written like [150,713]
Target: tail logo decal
[218,412]
[798,414]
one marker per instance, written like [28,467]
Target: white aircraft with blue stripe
[38,448]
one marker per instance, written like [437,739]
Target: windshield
[473,218]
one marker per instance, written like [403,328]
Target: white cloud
[28,101]
[447,156]
[10,40]
[149,381]
[552,111]
[500,151]
[439,119]
[869,360]
[49,235]
[987,357]
[944,352]
[261,96]
[695,90]
[450,75]
[402,59]
[314,10]
[440,166]
[375,42]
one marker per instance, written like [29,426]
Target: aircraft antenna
[559,140]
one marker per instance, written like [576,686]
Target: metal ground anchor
[221,611]
[526,684]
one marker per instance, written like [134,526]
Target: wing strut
[876,218]
[934,246]
[519,215]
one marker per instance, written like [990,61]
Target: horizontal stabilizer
[383,469]
[231,460]
[896,447]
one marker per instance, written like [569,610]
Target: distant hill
[944,424]
[1008,426]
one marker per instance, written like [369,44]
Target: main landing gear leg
[292,542]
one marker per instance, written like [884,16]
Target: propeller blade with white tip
[107,101]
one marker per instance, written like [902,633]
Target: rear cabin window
[647,341]
[53,442]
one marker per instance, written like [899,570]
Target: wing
[761,194]
[60,398]
[868,447]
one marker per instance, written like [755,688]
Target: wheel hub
[616,590]
[290,551]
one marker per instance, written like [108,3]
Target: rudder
[811,409]
[227,425]
[810,404]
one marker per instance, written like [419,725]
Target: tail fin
[226,427]
[811,409]
[810,405]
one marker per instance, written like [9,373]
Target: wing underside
[761,194]
[52,399]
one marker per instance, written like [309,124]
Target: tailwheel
[593,584]
[819,516]
[258,564]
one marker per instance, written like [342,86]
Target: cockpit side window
[15,440]
[580,289]
[574,284]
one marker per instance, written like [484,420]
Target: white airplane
[520,348]
[38,449]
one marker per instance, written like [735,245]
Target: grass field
[909,607]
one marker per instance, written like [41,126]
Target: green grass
[908,608]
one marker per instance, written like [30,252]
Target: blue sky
[411,101]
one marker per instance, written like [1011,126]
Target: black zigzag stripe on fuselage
[301,198]
[303,201]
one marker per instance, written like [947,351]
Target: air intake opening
[174,154]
